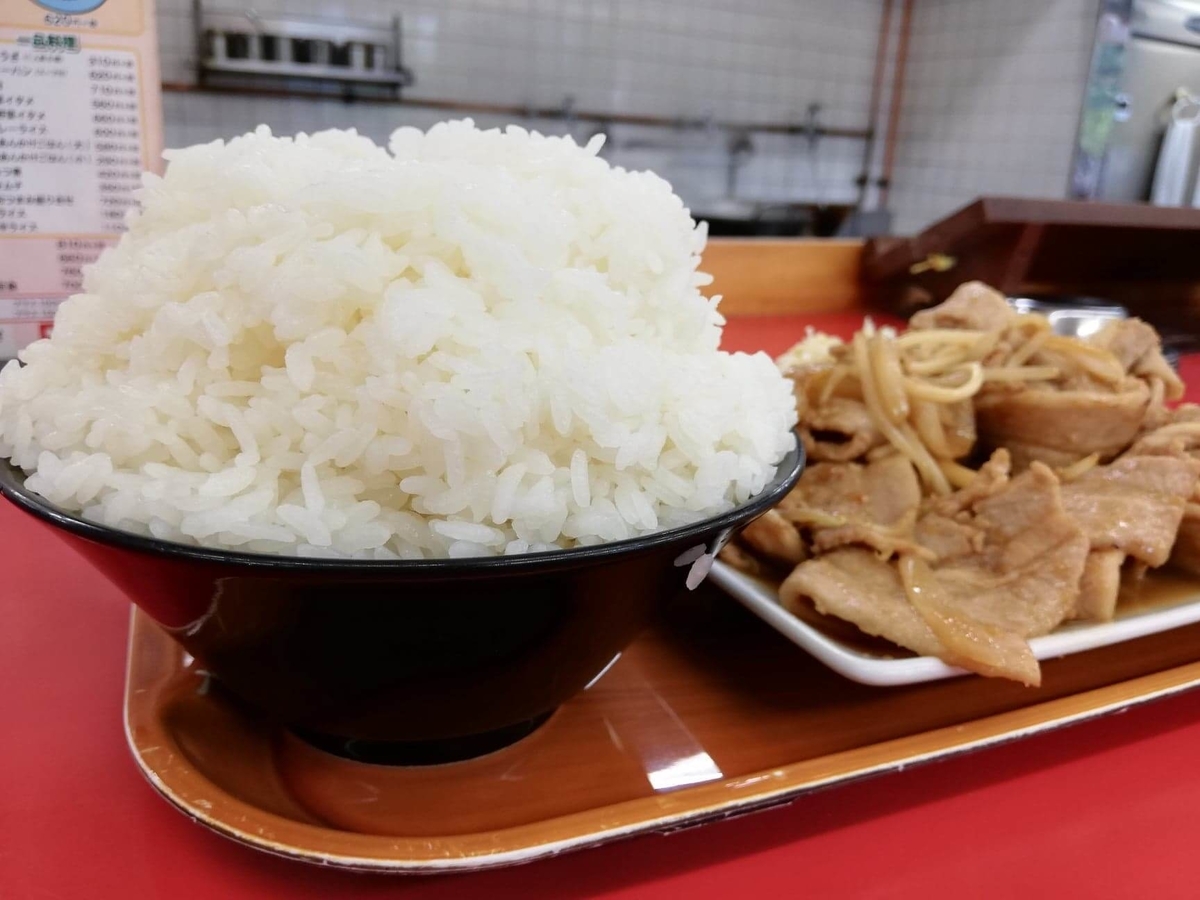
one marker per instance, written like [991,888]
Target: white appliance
[1161,58]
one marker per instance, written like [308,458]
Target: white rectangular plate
[761,599]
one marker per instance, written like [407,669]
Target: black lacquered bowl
[407,661]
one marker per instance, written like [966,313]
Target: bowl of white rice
[402,443]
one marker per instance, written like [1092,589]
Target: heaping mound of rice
[480,342]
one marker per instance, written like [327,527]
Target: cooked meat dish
[977,480]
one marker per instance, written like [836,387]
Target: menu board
[80,119]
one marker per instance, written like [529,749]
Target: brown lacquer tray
[708,715]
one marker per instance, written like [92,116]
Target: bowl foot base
[422,753]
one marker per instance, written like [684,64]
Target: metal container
[247,43]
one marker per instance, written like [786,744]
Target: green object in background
[1102,101]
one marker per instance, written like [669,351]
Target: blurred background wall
[990,101]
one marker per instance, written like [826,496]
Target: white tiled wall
[991,97]
[743,60]
[991,102]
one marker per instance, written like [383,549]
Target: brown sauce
[1160,589]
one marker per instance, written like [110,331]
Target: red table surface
[1103,809]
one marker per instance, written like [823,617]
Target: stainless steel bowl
[1083,317]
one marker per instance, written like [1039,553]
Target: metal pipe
[885,27]
[520,111]
[889,143]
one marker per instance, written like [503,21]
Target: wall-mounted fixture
[248,44]
[812,126]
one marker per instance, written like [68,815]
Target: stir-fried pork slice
[886,542]
[1129,340]
[1133,505]
[1020,581]
[734,555]
[854,584]
[1186,412]
[948,538]
[1100,586]
[883,492]
[1176,433]
[1186,552]
[1026,578]
[1138,348]
[1092,410]
[945,525]
[834,428]
[838,430]
[973,306]
[986,649]
[776,538]
[1059,427]
[1176,436]
[849,503]
[1181,441]
[991,478]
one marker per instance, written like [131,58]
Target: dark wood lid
[1146,257]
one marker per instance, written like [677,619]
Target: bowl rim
[787,473]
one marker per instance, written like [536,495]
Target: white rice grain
[228,483]
[468,531]
[580,489]
[310,486]
[471,342]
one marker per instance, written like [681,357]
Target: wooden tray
[710,714]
